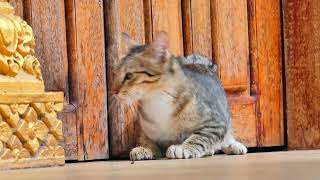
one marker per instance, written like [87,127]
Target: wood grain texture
[147,20]
[244,119]
[166,16]
[201,27]
[266,59]
[122,16]
[47,18]
[302,62]
[88,77]
[48,21]
[18,6]
[230,42]
[197,27]
[187,27]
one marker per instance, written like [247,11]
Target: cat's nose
[115,92]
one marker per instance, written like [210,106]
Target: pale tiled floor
[300,165]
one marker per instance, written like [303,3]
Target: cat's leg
[146,150]
[199,144]
[232,147]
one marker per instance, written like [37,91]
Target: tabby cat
[182,106]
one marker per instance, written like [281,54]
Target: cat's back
[201,71]
[205,81]
[199,64]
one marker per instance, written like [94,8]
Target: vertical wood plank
[187,27]
[230,42]
[201,27]
[122,16]
[18,6]
[88,77]
[266,58]
[197,27]
[302,61]
[47,19]
[147,20]
[48,22]
[244,121]
[166,16]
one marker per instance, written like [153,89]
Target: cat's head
[141,67]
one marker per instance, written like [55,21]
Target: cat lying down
[182,106]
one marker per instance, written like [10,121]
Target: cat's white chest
[158,109]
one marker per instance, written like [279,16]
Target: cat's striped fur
[183,108]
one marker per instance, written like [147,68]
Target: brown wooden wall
[78,41]
[302,62]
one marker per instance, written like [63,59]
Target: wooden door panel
[86,50]
[47,18]
[302,60]
[244,119]
[257,111]
[166,16]
[230,43]
[266,59]
[197,27]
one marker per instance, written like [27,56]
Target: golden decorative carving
[34,134]
[30,131]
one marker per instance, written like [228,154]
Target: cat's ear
[160,46]
[127,43]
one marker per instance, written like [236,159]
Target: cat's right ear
[160,47]
[126,44]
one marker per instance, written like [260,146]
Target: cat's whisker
[170,94]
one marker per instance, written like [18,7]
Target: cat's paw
[235,148]
[182,152]
[141,153]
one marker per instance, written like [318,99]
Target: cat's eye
[149,74]
[128,77]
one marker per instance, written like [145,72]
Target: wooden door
[244,39]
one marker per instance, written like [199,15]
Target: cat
[182,106]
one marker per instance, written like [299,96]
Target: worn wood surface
[302,61]
[230,42]
[266,70]
[47,18]
[88,77]
[244,118]
[197,27]
[122,16]
[166,16]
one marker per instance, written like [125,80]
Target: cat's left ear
[160,47]
[127,43]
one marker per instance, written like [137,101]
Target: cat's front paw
[141,153]
[183,152]
[235,148]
